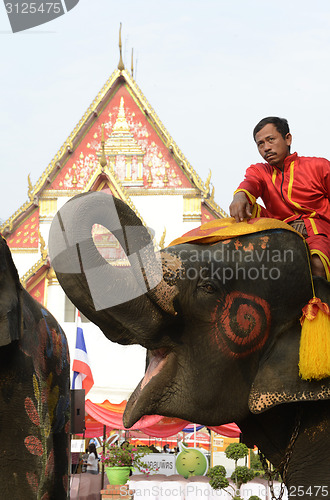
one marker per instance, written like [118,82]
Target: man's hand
[240,207]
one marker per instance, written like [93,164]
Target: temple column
[54,296]
[140,169]
[128,169]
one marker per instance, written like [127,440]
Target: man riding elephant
[294,189]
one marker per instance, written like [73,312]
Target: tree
[217,476]
[235,451]
[241,474]
[256,465]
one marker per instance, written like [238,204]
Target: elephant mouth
[158,360]
[146,397]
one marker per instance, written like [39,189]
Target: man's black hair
[281,125]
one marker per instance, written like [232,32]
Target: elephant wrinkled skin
[221,326]
[34,394]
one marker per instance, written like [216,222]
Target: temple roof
[141,158]
[119,79]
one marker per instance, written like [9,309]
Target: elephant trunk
[111,297]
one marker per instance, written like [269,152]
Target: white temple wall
[55,300]
[164,211]
[24,261]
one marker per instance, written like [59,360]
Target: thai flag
[82,373]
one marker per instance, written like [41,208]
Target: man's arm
[326,177]
[240,207]
[248,191]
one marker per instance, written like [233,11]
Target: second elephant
[34,394]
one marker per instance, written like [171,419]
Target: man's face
[272,146]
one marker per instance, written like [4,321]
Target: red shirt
[301,189]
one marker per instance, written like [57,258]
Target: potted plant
[119,461]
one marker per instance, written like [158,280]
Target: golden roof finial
[30,190]
[43,249]
[162,239]
[208,180]
[103,160]
[132,64]
[121,62]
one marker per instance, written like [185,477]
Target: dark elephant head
[34,393]
[11,318]
[220,321]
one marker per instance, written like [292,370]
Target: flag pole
[103,451]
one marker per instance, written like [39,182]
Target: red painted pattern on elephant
[242,324]
[33,481]
[34,445]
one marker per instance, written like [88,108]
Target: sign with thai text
[164,461]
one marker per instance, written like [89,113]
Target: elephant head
[11,317]
[34,393]
[220,322]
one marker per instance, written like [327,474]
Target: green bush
[235,451]
[242,475]
[217,470]
[255,462]
[219,483]
[217,475]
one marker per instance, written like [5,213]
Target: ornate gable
[150,161]
[133,148]
[119,146]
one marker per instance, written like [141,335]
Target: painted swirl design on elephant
[241,324]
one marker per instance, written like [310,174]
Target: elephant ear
[11,317]
[277,380]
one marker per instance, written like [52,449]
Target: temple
[121,147]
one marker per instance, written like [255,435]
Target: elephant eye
[207,287]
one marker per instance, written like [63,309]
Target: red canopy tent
[200,439]
[111,415]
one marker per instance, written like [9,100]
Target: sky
[211,70]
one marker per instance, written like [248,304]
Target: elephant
[34,394]
[222,331]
